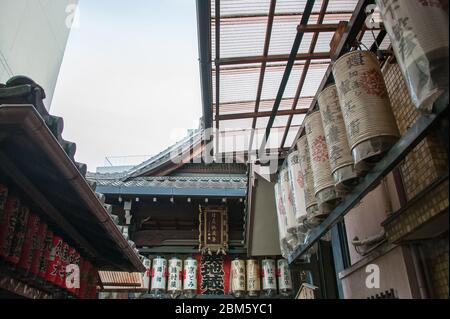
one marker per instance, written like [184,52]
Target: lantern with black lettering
[237,277]
[54,260]
[29,244]
[39,249]
[190,278]
[146,276]
[46,252]
[159,273]
[175,283]
[269,280]
[284,277]
[253,278]
[8,226]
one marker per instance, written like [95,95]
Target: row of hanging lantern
[353,128]
[173,277]
[246,277]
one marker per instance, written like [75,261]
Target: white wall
[33,37]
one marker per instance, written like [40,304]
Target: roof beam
[274,58]
[319,27]
[237,116]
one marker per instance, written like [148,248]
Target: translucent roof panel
[252,63]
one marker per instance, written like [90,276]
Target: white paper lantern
[419,32]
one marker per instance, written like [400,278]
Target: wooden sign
[213,229]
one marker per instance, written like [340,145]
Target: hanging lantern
[297,185]
[312,209]
[237,279]
[269,282]
[10,220]
[419,32]
[292,225]
[159,273]
[284,277]
[288,201]
[40,248]
[30,242]
[190,278]
[175,283]
[341,161]
[45,256]
[324,189]
[253,278]
[147,274]
[364,100]
[281,219]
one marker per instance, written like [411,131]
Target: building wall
[396,272]
[424,165]
[33,37]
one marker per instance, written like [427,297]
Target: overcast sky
[129,83]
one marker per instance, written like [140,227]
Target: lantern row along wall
[352,129]
[31,248]
[251,277]
[354,126]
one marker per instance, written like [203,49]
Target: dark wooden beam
[319,27]
[274,58]
[236,116]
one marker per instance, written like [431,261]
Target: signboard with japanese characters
[213,229]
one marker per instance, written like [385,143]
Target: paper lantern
[253,278]
[419,32]
[237,277]
[324,189]
[29,244]
[146,276]
[269,280]
[190,277]
[369,122]
[339,153]
[281,220]
[175,282]
[284,277]
[298,186]
[312,209]
[159,274]
[288,201]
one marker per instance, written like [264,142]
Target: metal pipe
[204,50]
[419,272]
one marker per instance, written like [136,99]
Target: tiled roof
[177,182]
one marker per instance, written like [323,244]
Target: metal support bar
[405,144]
[204,49]
[275,58]
[236,116]
[287,72]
